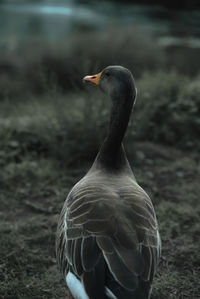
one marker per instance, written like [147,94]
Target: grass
[32,194]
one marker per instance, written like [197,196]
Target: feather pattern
[105,220]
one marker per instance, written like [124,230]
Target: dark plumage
[107,234]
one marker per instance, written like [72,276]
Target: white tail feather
[76,288]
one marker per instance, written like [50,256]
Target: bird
[107,240]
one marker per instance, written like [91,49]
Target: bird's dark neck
[112,154]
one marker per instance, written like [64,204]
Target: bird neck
[112,153]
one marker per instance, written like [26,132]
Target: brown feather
[77,263]
[120,272]
[120,224]
[90,253]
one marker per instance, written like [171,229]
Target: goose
[107,240]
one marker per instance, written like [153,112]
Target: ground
[33,191]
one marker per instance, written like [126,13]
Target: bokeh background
[51,127]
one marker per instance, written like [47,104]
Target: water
[56,20]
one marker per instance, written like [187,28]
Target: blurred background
[51,127]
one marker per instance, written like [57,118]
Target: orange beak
[94,79]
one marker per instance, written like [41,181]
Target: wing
[119,228]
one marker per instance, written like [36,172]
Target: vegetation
[24,71]
[51,127]
[167,111]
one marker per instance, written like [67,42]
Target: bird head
[113,80]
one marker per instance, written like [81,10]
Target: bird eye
[107,73]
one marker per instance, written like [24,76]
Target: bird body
[108,245]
